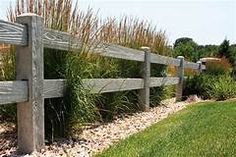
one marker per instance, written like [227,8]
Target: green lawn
[205,129]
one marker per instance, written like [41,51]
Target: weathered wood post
[144,94]
[180,72]
[200,66]
[29,66]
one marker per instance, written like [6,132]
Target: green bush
[116,104]
[66,115]
[219,87]
[223,88]
[198,84]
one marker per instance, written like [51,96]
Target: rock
[95,139]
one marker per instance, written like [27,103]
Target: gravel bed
[96,139]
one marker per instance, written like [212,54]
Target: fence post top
[28,14]
[180,57]
[199,62]
[145,48]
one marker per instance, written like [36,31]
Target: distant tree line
[188,48]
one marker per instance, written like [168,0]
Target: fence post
[29,66]
[144,94]
[200,66]
[180,72]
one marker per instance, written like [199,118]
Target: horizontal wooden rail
[191,65]
[112,85]
[64,41]
[155,58]
[13,33]
[54,39]
[55,88]
[17,91]
[116,51]
[13,91]
[194,66]
[163,81]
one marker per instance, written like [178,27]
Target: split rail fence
[30,88]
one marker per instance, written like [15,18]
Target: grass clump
[205,129]
[208,86]
[223,88]
[199,84]
[218,67]
[7,73]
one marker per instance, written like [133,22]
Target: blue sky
[206,21]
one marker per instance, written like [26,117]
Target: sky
[206,21]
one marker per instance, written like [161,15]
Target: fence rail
[13,91]
[30,89]
[17,91]
[16,34]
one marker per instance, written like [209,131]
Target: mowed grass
[204,129]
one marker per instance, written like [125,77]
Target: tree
[207,50]
[224,49]
[186,47]
[233,59]
[182,40]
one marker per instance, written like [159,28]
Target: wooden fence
[30,89]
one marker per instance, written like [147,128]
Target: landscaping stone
[95,139]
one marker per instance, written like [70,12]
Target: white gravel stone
[94,140]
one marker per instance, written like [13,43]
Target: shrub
[220,87]
[223,88]
[198,84]
[218,67]
[205,85]
[116,104]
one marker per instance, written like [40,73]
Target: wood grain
[17,91]
[16,34]
[60,40]
[13,92]
[13,33]
[112,85]
[29,66]
[116,51]
[155,58]
[144,94]
[191,65]
[54,88]
[179,86]
[163,81]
